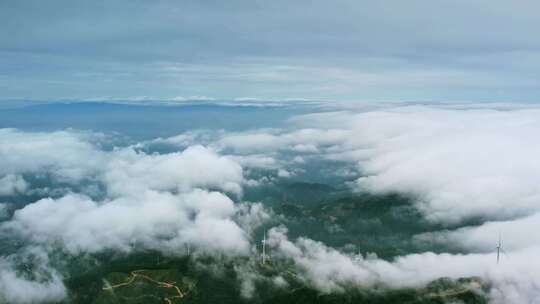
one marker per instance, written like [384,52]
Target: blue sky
[325,50]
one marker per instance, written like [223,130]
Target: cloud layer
[131,201]
[459,165]
[350,50]
[329,270]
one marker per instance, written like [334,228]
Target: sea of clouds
[459,163]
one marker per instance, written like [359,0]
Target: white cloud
[516,234]
[157,201]
[69,156]
[192,98]
[456,162]
[259,161]
[156,220]
[14,289]
[252,215]
[284,173]
[180,140]
[129,172]
[459,163]
[332,271]
[12,184]
[265,141]
[46,286]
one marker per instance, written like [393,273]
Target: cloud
[458,163]
[192,98]
[14,289]
[515,235]
[46,286]
[329,270]
[258,161]
[304,140]
[284,173]
[69,156]
[134,201]
[156,220]
[128,171]
[342,50]
[12,184]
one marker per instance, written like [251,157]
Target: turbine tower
[264,248]
[499,249]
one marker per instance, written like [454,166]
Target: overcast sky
[480,50]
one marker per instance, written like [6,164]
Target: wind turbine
[264,248]
[188,249]
[499,249]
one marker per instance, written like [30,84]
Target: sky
[274,50]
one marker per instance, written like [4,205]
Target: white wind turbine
[499,249]
[264,248]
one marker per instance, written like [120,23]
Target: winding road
[136,273]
